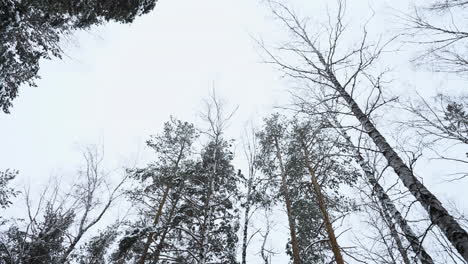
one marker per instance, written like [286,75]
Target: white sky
[119,83]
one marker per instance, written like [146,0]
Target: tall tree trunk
[386,203]
[388,245]
[149,240]
[160,246]
[394,233]
[323,209]
[438,215]
[287,200]
[208,215]
[205,227]
[169,225]
[161,206]
[246,222]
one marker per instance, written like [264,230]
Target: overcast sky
[119,83]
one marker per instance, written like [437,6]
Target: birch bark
[386,203]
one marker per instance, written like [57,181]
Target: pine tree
[208,230]
[158,193]
[273,142]
[332,169]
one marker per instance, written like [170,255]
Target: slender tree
[323,208]
[254,196]
[265,253]
[272,142]
[389,210]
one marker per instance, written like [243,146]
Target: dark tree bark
[323,209]
[246,222]
[287,200]
[149,240]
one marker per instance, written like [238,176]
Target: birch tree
[254,195]
[323,62]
